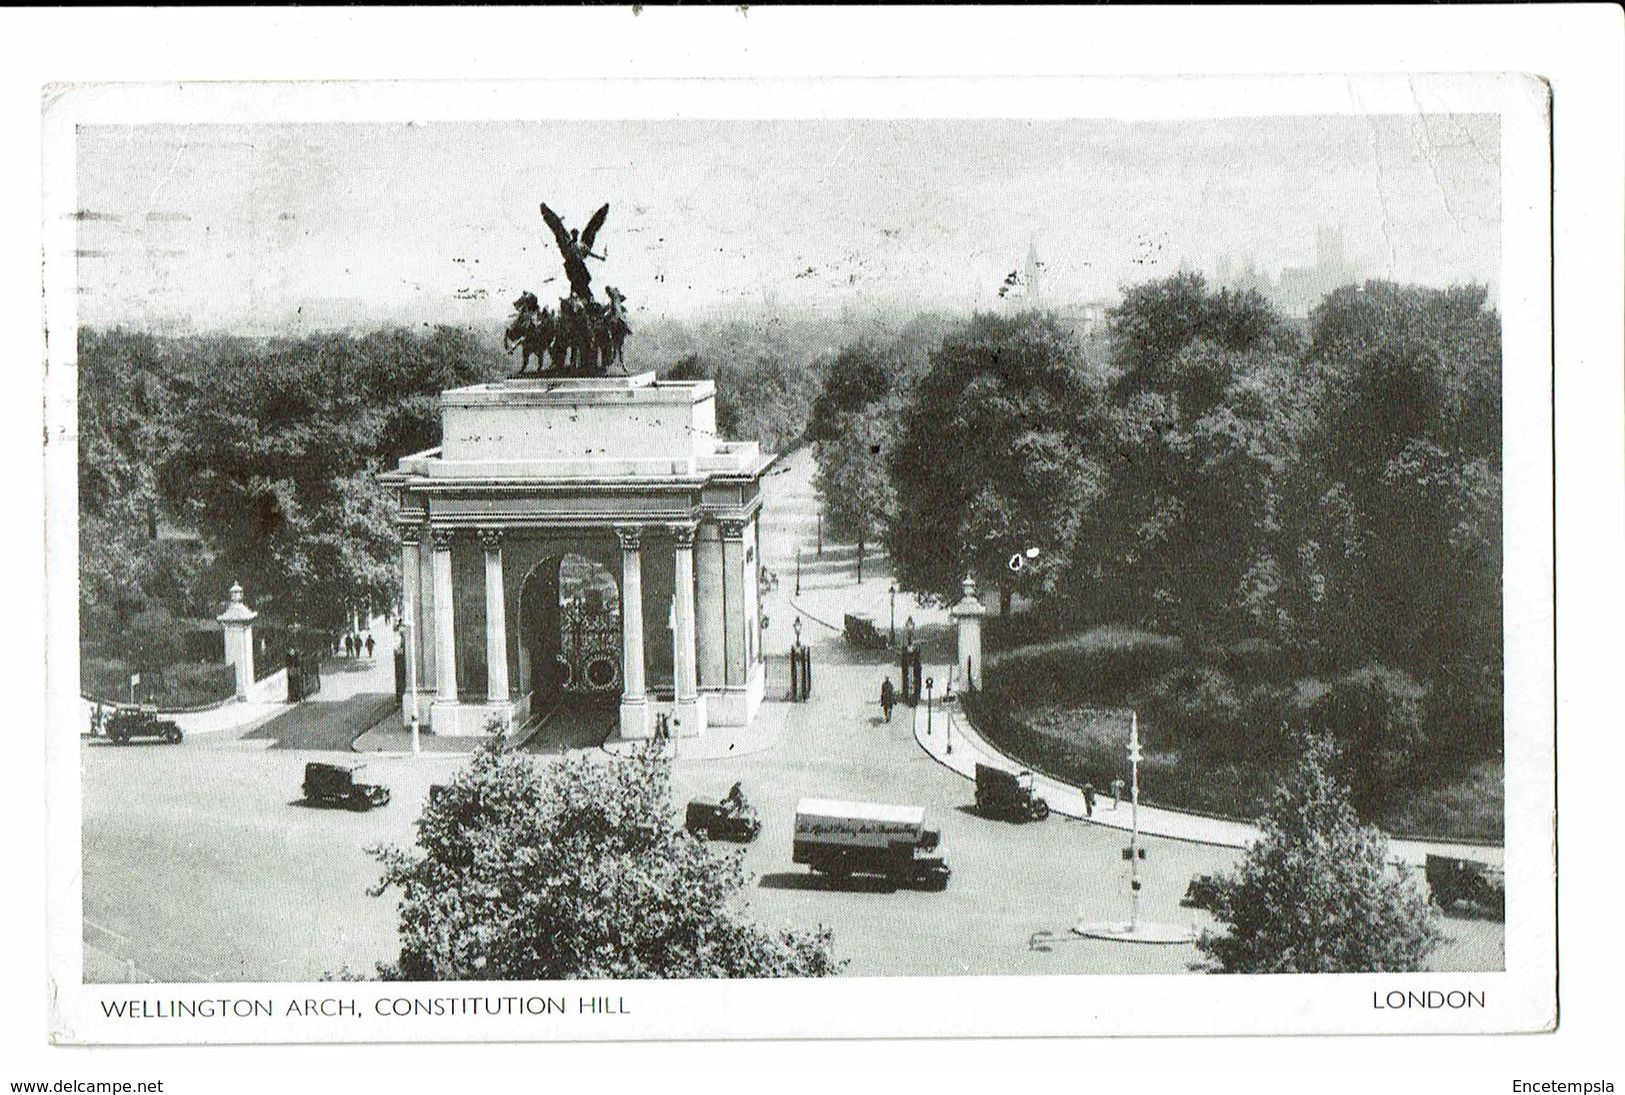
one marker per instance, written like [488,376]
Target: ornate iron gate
[589,649]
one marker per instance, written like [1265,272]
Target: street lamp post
[798,570]
[1134,820]
[928,683]
[891,629]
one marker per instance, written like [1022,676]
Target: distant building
[1299,288]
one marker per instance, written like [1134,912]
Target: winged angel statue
[585,338]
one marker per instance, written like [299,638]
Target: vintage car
[860,631]
[340,785]
[1480,887]
[127,724]
[1008,795]
[732,818]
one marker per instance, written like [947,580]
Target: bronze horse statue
[534,331]
[614,329]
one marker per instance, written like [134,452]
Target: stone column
[688,714]
[734,623]
[634,697]
[410,579]
[968,615]
[496,621]
[445,634]
[710,631]
[238,623]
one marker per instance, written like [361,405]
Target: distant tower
[1329,248]
[1033,299]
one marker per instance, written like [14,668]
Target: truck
[1008,795]
[840,839]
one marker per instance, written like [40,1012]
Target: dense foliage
[1313,509]
[1000,450]
[263,455]
[1316,893]
[576,871]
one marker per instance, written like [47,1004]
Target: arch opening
[570,634]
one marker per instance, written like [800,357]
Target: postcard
[641,559]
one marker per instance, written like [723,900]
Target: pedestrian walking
[1088,800]
[888,697]
[370,644]
[349,645]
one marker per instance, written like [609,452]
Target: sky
[259,228]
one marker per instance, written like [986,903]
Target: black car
[339,785]
[127,724]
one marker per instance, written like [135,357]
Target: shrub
[1078,671]
[1376,716]
[1316,893]
[576,871]
[171,687]
[1200,696]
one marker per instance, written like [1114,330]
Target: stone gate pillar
[238,623]
[968,615]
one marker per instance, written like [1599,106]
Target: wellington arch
[576,538]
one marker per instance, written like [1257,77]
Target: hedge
[175,687]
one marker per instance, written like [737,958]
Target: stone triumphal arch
[581,536]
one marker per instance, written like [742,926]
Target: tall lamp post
[1135,931]
[798,570]
[1134,754]
[928,683]
[891,629]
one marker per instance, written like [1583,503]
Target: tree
[861,374]
[276,458]
[1316,893]
[577,871]
[999,452]
[1398,512]
[1202,430]
[851,478]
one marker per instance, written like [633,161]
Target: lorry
[1008,795]
[840,839]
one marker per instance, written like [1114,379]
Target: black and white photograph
[627,559]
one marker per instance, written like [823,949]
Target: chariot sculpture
[585,337]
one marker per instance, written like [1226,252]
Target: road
[200,863]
